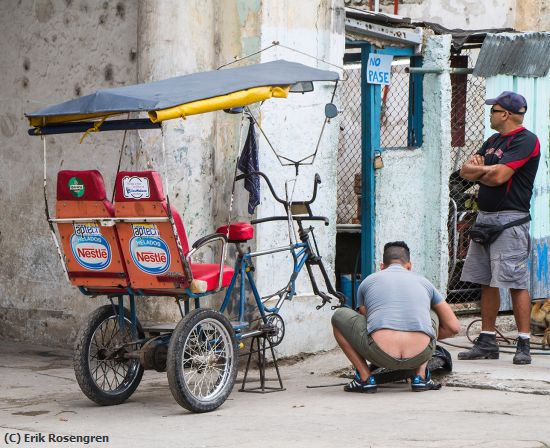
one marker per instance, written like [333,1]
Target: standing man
[401,315]
[505,168]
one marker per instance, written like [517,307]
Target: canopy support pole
[47,211]
[185,263]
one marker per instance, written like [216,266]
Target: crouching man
[401,315]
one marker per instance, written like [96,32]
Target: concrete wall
[314,27]
[413,182]
[56,50]
[61,49]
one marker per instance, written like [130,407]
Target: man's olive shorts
[353,327]
[503,263]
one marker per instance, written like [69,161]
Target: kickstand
[261,348]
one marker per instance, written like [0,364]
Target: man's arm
[496,175]
[491,175]
[448,323]
[362,310]
[474,168]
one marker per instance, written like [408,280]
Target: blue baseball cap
[511,101]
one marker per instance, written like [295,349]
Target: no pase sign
[379,69]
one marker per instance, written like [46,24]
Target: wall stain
[121,10]
[44,10]
[7,125]
[108,72]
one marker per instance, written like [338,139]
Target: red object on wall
[459,85]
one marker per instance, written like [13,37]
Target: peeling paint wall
[61,49]
[413,182]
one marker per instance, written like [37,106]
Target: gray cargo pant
[503,263]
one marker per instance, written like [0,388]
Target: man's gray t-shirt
[398,299]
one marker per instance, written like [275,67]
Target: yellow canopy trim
[235,99]
[40,121]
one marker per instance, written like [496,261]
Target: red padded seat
[209,273]
[153,266]
[82,186]
[92,252]
[129,189]
[238,231]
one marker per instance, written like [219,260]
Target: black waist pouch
[485,234]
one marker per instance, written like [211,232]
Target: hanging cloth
[248,163]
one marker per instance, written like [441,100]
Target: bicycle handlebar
[316,181]
[295,218]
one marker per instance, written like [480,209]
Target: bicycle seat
[239,232]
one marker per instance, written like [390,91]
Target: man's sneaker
[485,347]
[419,384]
[522,355]
[368,386]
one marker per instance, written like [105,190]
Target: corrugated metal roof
[526,54]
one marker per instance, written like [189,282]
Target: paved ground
[485,404]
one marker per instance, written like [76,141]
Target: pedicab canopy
[186,95]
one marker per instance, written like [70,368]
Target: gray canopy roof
[172,92]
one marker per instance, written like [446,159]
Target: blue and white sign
[151,255]
[90,248]
[379,69]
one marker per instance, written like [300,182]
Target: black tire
[105,381]
[202,360]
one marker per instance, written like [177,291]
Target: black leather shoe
[522,355]
[485,347]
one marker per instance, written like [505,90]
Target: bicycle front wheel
[202,362]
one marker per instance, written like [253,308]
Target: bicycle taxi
[136,244]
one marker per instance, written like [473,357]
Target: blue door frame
[371,97]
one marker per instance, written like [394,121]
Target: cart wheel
[102,372]
[202,362]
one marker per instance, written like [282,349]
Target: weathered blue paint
[416,94]
[542,265]
[397,51]
[370,142]
[371,103]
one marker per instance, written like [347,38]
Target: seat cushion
[209,273]
[138,186]
[238,231]
[80,186]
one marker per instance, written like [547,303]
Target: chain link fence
[349,148]
[393,133]
[394,113]
[467,131]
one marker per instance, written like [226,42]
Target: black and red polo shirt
[520,150]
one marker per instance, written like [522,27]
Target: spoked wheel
[202,360]
[103,373]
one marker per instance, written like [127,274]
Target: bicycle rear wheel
[102,371]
